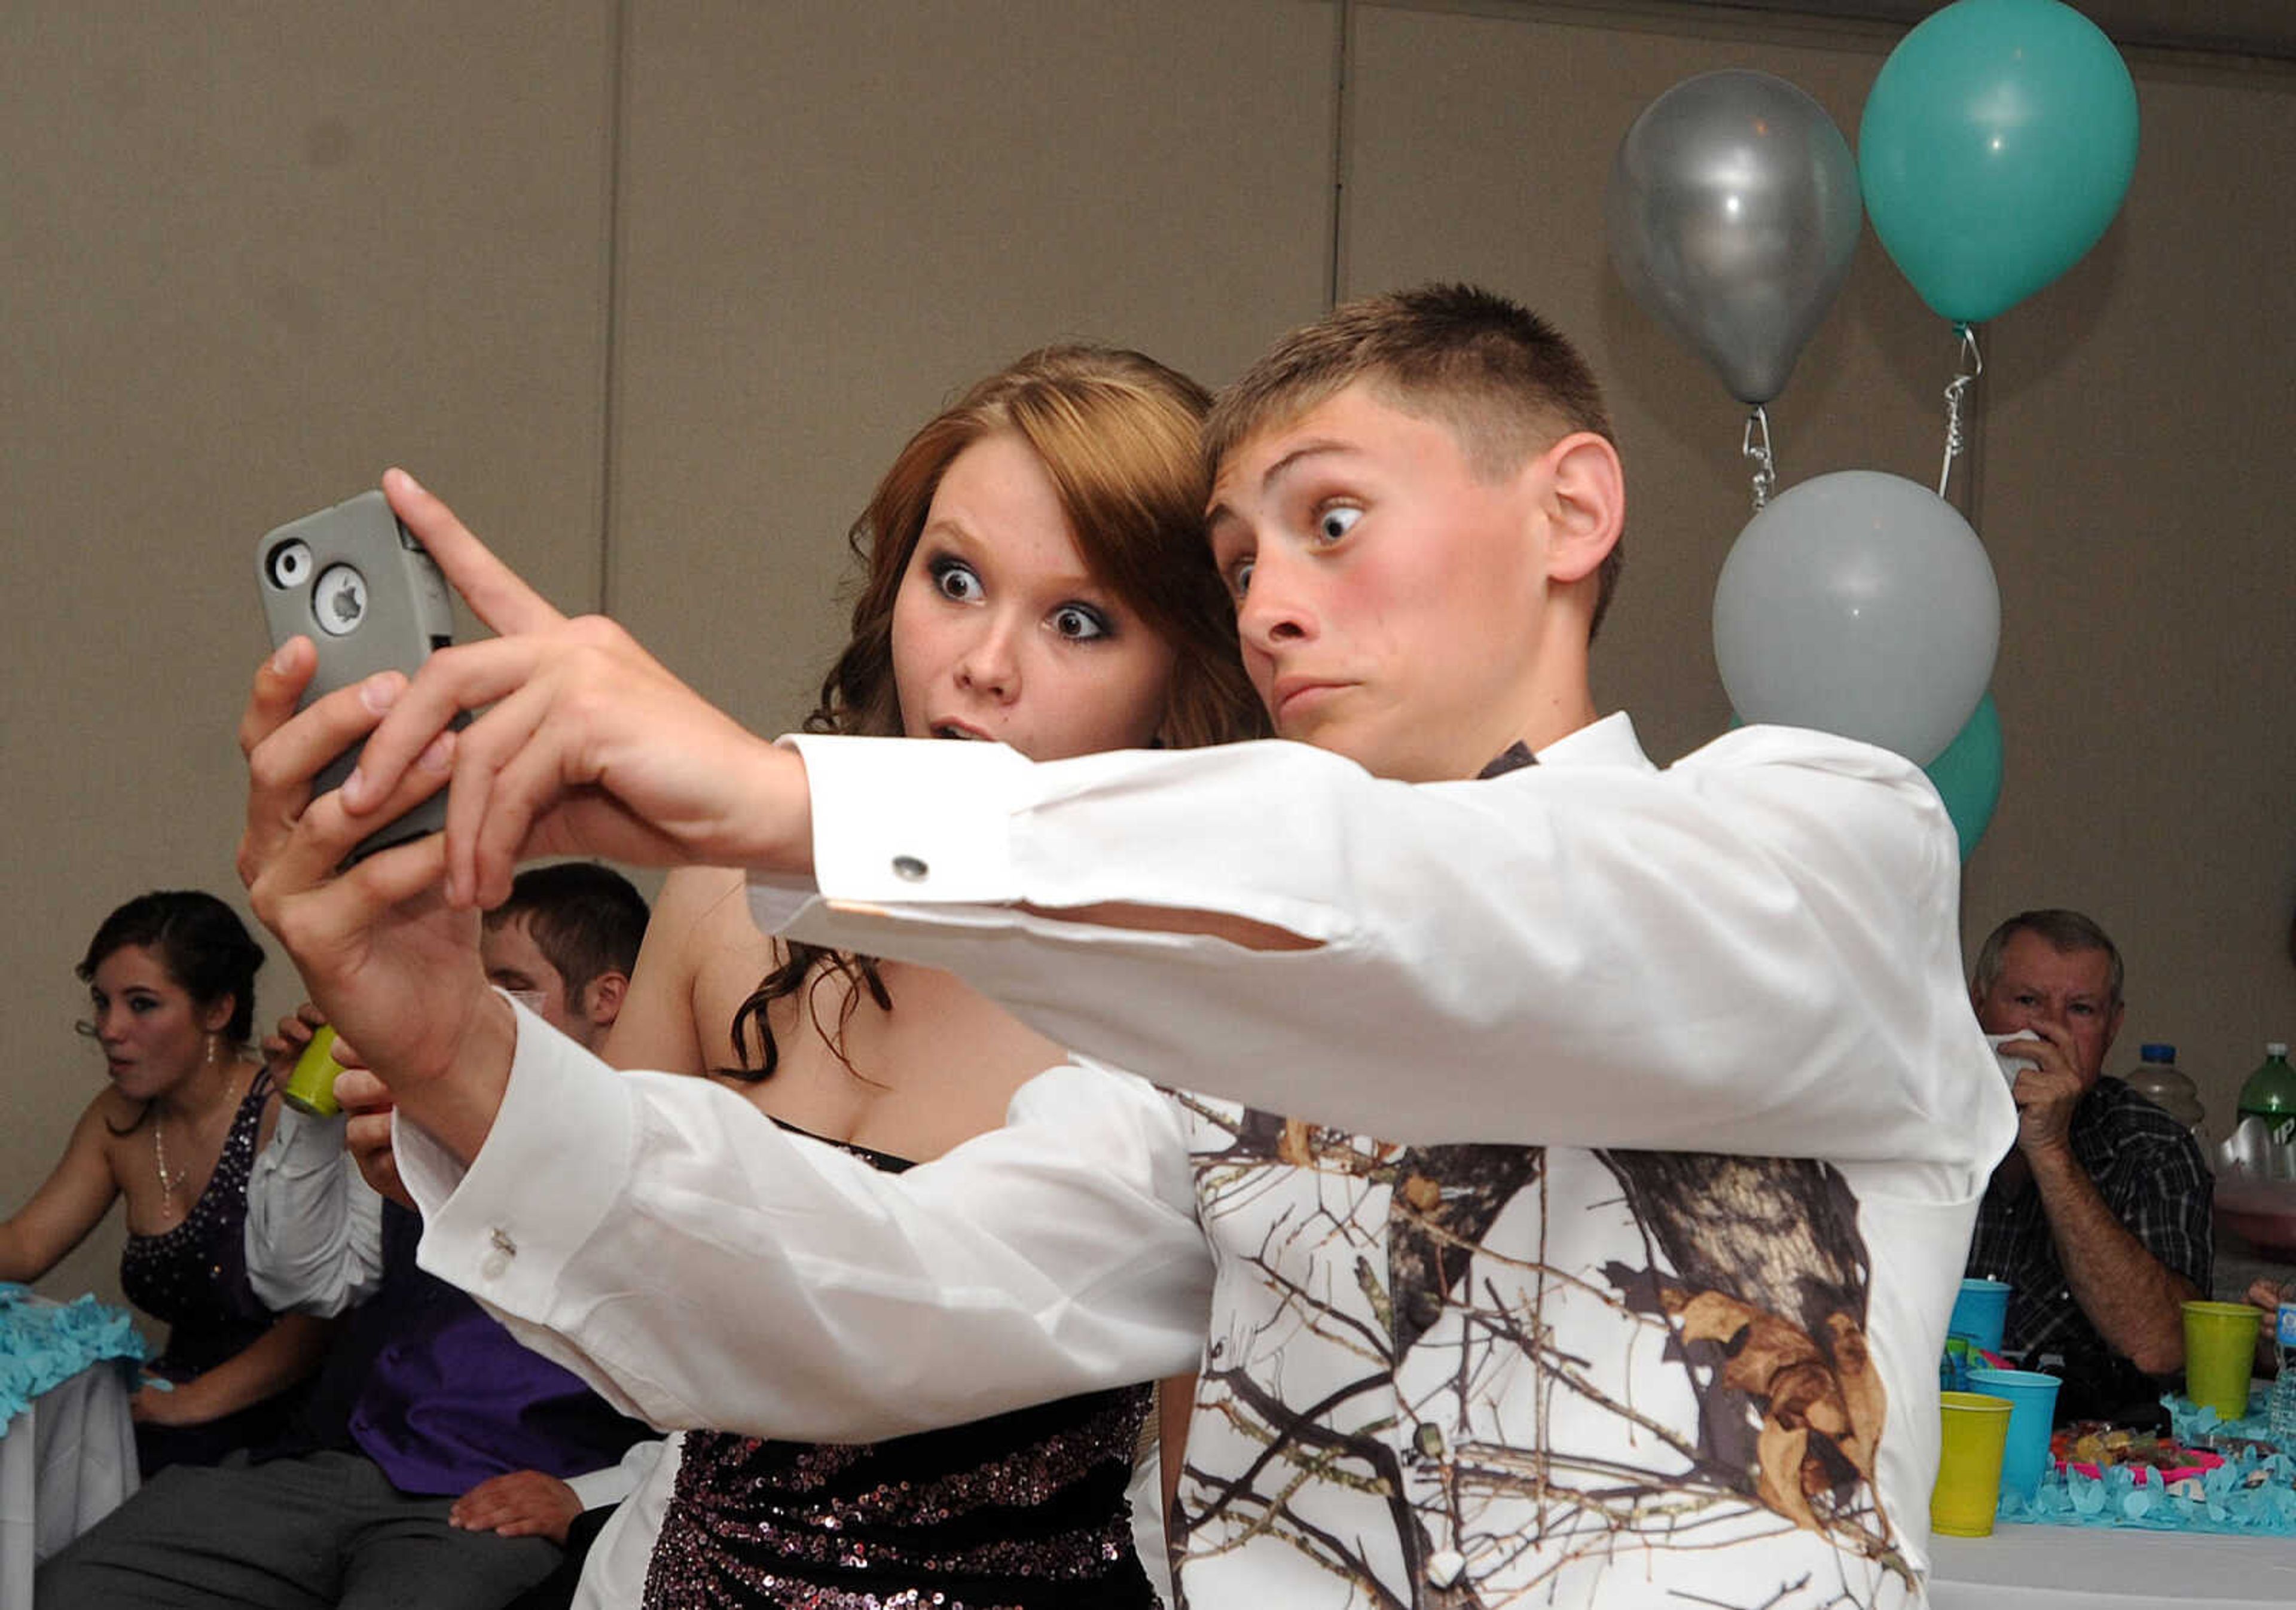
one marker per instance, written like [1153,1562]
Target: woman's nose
[990,664]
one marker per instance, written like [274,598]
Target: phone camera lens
[338,601]
[291,565]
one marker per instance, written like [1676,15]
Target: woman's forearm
[282,1355]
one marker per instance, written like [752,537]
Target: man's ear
[1585,504]
[603,997]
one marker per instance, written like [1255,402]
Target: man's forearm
[2131,1297]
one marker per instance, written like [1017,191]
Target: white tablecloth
[2075,1567]
[65,1463]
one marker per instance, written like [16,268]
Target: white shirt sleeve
[702,1267]
[313,1227]
[614,1574]
[611,1484]
[1756,951]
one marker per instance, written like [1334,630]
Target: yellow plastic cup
[2219,1352]
[311,1083]
[1969,1463]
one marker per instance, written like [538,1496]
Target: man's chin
[1350,741]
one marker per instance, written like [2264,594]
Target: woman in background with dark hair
[171,999]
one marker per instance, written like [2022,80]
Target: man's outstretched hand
[581,743]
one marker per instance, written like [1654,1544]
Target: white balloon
[1863,604]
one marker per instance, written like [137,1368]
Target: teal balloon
[1967,775]
[1996,145]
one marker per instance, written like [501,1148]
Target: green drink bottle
[2270,1094]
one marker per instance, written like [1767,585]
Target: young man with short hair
[1461,976]
[567,938]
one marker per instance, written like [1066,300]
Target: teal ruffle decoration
[42,1344]
[2253,1491]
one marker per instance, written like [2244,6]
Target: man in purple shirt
[436,1462]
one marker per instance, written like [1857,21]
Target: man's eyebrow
[1281,468]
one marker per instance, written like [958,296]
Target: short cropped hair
[1505,382]
[585,918]
[2065,932]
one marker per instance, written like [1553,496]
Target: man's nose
[1276,608]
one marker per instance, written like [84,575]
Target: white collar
[1609,741]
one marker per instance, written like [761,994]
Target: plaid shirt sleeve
[2162,1189]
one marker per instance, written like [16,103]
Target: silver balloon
[1863,604]
[1734,211]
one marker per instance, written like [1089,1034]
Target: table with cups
[1996,1456]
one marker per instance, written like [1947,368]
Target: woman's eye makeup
[953,579]
[1079,622]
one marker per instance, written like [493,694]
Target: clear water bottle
[2158,1079]
[2282,1398]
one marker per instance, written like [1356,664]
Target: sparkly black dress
[194,1277]
[1025,1510]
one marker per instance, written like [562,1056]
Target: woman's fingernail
[354,790]
[438,753]
[380,691]
[279,661]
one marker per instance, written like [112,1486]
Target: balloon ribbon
[1766,471]
[1972,364]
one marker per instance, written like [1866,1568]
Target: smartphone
[355,581]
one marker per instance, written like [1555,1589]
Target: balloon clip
[1972,364]
[1766,470]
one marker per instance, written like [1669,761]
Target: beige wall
[652,290]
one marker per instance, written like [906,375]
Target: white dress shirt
[1500,1351]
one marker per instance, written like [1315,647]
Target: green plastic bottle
[2270,1094]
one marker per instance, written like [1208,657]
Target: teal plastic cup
[1979,1313]
[2032,1407]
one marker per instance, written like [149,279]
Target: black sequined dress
[1026,1510]
[194,1277]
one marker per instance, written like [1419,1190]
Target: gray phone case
[354,581]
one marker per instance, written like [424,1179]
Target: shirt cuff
[898,821]
[565,1117]
[611,1484]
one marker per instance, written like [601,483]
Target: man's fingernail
[438,753]
[354,790]
[279,661]
[380,691]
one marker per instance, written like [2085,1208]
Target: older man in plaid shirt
[2098,1217]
